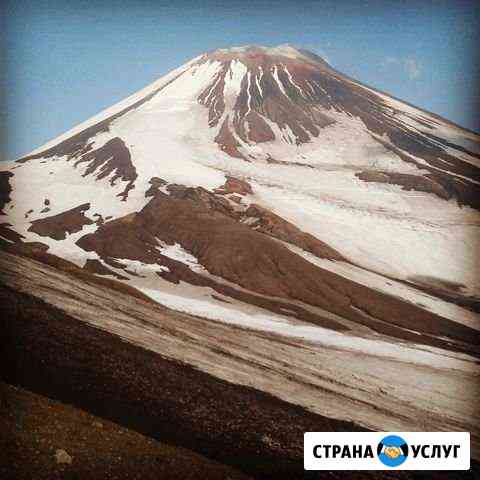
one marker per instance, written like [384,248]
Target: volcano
[259,187]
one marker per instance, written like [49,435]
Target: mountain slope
[98,449]
[260,186]
[240,396]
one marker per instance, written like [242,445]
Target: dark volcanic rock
[227,142]
[114,156]
[9,234]
[235,252]
[57,226]
[275,226]
[156,183]
[417,183]
[5,189]
[94,266]
[235,185]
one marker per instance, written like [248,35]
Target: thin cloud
[321,52]
[390,61]
[411,66]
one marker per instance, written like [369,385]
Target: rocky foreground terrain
[239,397]
[44,439]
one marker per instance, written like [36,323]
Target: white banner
[387,451]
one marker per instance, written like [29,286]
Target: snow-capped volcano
[259,185]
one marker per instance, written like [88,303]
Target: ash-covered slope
[262,187]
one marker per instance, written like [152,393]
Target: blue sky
[64,61]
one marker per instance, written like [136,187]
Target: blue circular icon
[392,451]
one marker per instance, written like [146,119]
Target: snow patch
[178,253]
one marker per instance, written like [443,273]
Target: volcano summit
[261,188]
